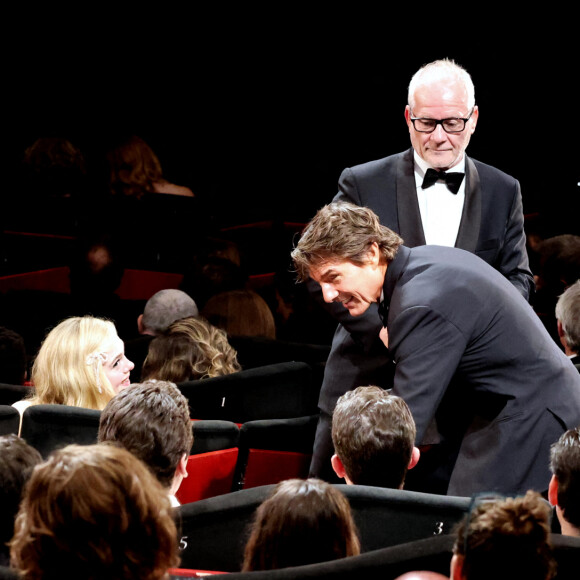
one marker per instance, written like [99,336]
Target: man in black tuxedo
[472,360]
[480,211]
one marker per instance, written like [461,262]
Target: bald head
[164,308]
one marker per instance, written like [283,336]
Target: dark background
[259,111]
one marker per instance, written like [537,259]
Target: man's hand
[384,336]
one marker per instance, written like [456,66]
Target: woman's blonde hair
[94,511]
[190,349]
[68,369]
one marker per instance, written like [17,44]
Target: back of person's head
[505,539]
[17,460]
[91,512]
[12,357]
[165,307]
[568,314]
[373,433]
[96,268]
[191,349]
[565,466]
[302,522]
[133,167]
[68,369]
[241,313]
[558,263]
[151,420]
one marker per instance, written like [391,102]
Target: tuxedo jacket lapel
[409,216]
[468,234]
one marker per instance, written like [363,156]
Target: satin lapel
[471,218]
[410,226]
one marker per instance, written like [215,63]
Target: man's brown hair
[343,231]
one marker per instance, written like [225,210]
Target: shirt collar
[421,165]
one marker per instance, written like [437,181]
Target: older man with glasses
[431,194]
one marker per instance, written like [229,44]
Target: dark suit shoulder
[490,172]
[378,166]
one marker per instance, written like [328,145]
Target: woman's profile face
[117,366]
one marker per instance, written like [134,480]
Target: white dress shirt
[440,209]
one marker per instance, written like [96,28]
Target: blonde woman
[191,348]
[81,363]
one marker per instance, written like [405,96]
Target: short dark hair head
[343,231]
[17,460]
[150,419]
[373,433]
[565,465]
[12,357]
[506,539]
[302,522]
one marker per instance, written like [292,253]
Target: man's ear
[182,465]
[415,455]
[553,491]
[338,466]
[456,567]
[140,324]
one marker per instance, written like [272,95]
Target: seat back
[9,394]
[212,461]
[213,531]
[272,450]
[9,420]
[386,517]
[50,427]
[275,391]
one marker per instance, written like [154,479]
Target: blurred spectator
[504,539]
[94,511]
[568,322]
[191,349]
[13,365]
[240,313]
[135,170]
[17,460]
[302,522]
[564,490]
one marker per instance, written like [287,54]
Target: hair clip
[95,359]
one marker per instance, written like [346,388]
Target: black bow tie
[453,180]
[383,312]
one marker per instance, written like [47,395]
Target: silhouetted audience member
[241,313]
[17,460]
[94,512]
[81,363]
[568,321]
[13,364]
[164,308]
[564,490]
[558,266]
[503,540]
[302,522]
[373,433]
[151,420]
[54,167]
[135,170]
[191,349]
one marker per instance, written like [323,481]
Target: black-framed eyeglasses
[450,125]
